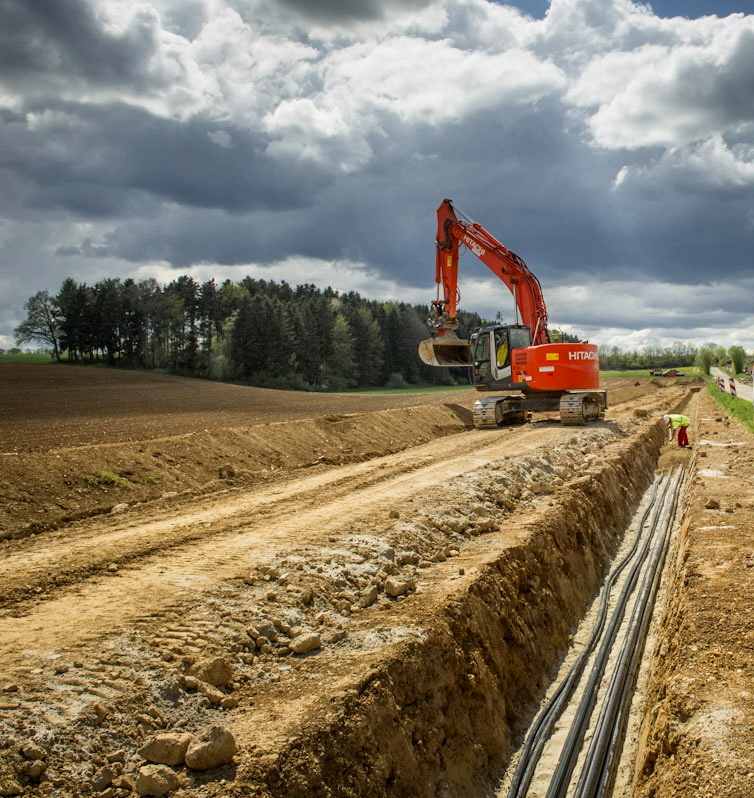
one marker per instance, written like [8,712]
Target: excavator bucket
[445,350]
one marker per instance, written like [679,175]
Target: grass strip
[740,409]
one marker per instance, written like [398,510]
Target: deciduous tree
[42,322]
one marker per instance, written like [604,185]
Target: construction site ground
[362,594]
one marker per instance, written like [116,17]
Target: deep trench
[442,715]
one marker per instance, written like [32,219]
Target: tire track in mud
[242,532]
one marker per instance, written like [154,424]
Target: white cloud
[368,86]
[342,275]
[633,314]
[602,135]
[710,164]
[669,94]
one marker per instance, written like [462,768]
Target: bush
[396,381]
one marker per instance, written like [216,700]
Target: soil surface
[57,406]
[289,569]
[699,728]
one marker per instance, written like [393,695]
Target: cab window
[502,350]
[519,337]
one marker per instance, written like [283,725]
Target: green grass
[740,409]
[637,374]
[27,357]
[108,478]
[415,389]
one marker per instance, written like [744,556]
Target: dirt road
[172,554]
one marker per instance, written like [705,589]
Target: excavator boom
[452,232]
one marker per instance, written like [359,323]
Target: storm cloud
[611,148]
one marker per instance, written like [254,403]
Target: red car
[673,373]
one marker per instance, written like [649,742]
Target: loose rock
[212,748]
[33,751]
[166,749]
[217,671]
[156,780]
[370,596]
[103,778]
[10,787]
[397,587]
[35,769]
[407,558]
[268,631]
[305,643]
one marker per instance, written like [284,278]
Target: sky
[609,143]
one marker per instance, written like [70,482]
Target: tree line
[679,354]
[270,334]
[255,332]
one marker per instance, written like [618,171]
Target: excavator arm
[527,293]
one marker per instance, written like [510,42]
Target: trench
[443,714]
[574,747]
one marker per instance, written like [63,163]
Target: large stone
[397,587]
[407,558]
[304,643]
[214,747]
[156,780]
[35,769]
[214,695]
[216,671]
[369,596]
[168,748]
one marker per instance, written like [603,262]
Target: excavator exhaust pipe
[445,350]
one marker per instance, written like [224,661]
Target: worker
[675,421]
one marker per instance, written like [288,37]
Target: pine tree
[341,363]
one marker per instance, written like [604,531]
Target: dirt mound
[46,489]
[144,437]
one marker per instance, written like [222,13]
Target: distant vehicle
[657,372]
[673,373]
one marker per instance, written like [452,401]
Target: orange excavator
[518,362]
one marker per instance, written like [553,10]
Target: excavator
[526,370]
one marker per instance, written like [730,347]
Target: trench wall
[442,715]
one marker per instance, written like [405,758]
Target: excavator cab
[491,349]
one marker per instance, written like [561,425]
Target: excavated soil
[698,734]
[428,576]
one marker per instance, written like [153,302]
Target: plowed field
[364,592]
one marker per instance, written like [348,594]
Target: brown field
[151,525]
